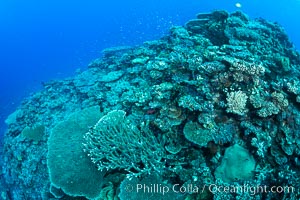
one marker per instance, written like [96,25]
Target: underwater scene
[157,100]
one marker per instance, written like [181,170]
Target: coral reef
[214,102]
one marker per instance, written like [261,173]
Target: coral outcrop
[220,93]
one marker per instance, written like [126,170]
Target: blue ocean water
[45,40]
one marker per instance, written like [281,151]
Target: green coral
[34,133]
[190,103]
[237,165]
[283,62]
[111,76]
[69,167]
[196,134]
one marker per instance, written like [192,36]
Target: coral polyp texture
[116,143]
[214,102]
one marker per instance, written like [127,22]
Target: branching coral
[236,102]
[116,143]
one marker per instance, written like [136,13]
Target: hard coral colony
[214,102]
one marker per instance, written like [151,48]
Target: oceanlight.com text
[213,188]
